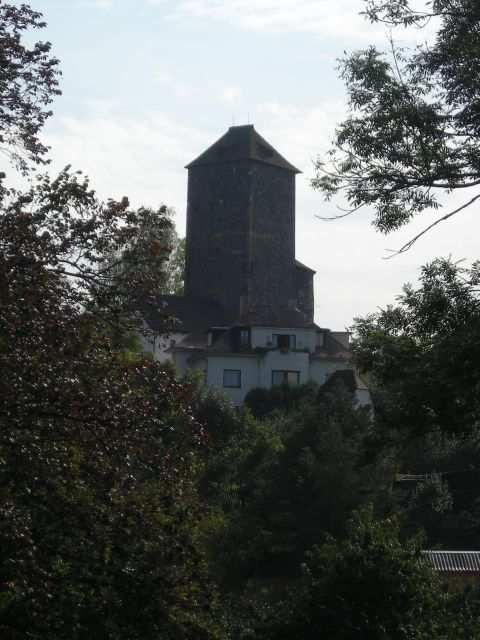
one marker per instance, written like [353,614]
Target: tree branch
[411,242]
[348,212]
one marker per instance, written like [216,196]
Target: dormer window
[284,341]
[240,338]
[214,334]
[244,337]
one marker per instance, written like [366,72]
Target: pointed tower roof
[242,143]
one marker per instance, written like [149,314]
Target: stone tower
[240,249]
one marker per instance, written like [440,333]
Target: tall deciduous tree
[422,354]
[98,505]
[97,456]
[422,357]
[414,125]
[29,77]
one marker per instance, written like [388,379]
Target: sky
[150,84]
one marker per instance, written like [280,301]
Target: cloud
[230,94]
[305,132]
[168,79]
[100,4]
[142,157]
[315,16]
[330,20]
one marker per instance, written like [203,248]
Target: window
[240,339]
[232,378]
[285,377]
[284,341]
[244,338]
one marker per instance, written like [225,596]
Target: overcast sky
[149,84]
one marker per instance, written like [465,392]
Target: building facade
[247,317]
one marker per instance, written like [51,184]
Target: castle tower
[246,320]
[240,247]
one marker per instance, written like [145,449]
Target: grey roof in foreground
[454,562]
[242,143]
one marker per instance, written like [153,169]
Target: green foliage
[375,585]
[429,504]
[413,129]
[444,503]
[422,361]
[99,507]
[155,247]
[282,482]
[176,266]
[423,354]
[28,83]
[214,410]
[285,398]
[99,510]
[107,463]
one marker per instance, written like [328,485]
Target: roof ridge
[242,143]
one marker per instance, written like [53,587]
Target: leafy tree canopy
[282,482]
[98,452]
[154,249]
[28,83]
[284,398]
[422,354]
[372,585]
[414,125]
[422,358]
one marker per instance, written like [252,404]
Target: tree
[157,237]
[283,398]
[371,585]
[175,266]
[28,83]
[413,133]
[422,355]
[283,482]
[99,508]
[99,511]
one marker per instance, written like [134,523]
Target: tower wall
[272,254]
[241,236]
[217,233]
